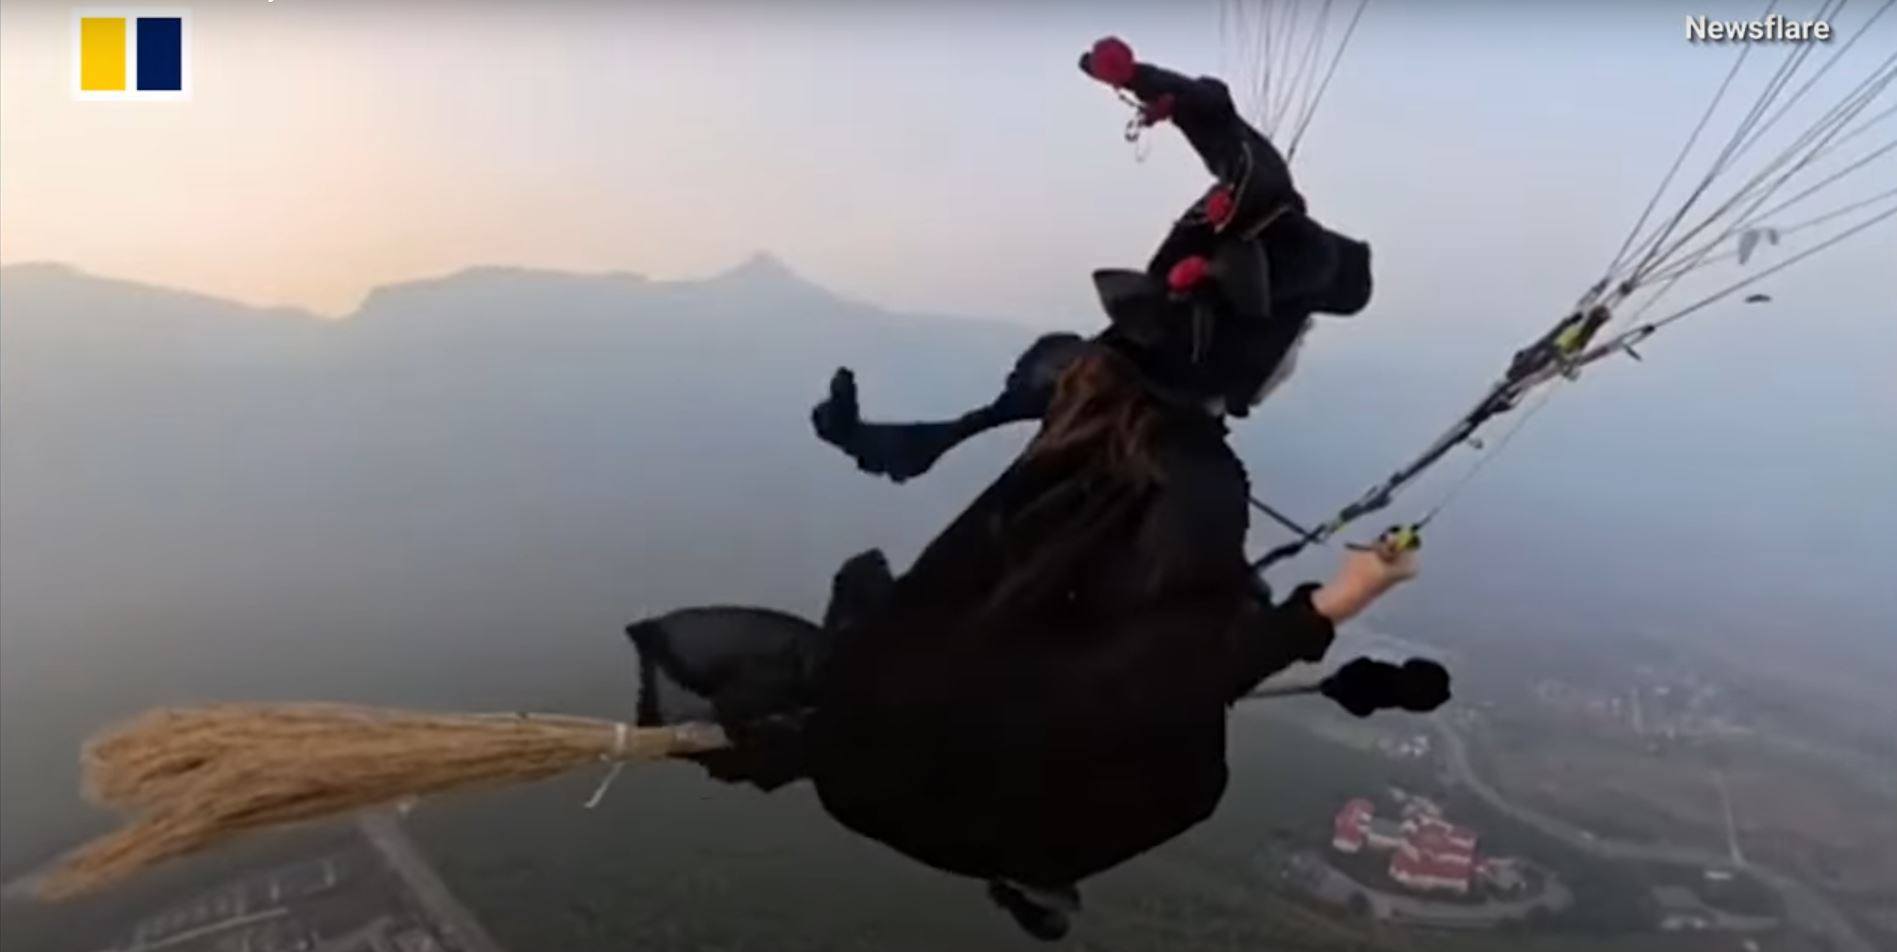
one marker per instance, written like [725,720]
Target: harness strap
[1306,536]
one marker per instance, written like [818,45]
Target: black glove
[1365,686]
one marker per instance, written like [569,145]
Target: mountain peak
[762,264]
[765,271]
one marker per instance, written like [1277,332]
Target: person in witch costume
[1301,268]
[1043,694]
[1252,198]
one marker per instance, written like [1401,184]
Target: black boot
[900,451]
[903,451]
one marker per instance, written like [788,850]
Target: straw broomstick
[187,779]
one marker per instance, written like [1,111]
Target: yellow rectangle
[101,53]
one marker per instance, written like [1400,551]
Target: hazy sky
[945,157]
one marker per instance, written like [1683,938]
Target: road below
[385,831]
[1803,904]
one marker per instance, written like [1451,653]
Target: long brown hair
[1101,410]
[1088,467]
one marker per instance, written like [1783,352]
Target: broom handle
[671,740]
[697,737]
[1284,690]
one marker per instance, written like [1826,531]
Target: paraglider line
[1683,269]
[1680,159]
[1311,111]
[1500,445]
[1659,252]
[1737,286]
[1309,536]
[1812,143]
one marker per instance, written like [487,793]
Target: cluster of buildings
[1656,706]
[1414,747]
[1427,852]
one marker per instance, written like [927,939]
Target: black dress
[1044,732]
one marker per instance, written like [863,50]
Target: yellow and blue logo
[135,53]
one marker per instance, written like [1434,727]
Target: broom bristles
[193,778]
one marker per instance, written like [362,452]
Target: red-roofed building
[1430,872]
[1436,854]
[1443,831]
[1437,844]
[1348,828]
[1428,852]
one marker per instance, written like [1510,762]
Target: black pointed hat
[1210,334]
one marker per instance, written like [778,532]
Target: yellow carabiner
[1569,340]
[1404,538]
[1394,540]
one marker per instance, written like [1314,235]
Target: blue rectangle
[160,53]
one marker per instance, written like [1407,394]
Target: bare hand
[1366,574]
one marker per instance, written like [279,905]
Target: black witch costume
[1043,694]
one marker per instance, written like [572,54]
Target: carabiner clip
[1397,539]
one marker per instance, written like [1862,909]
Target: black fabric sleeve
[1196,95]
[1268,638]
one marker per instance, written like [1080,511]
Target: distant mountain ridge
[761,273]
